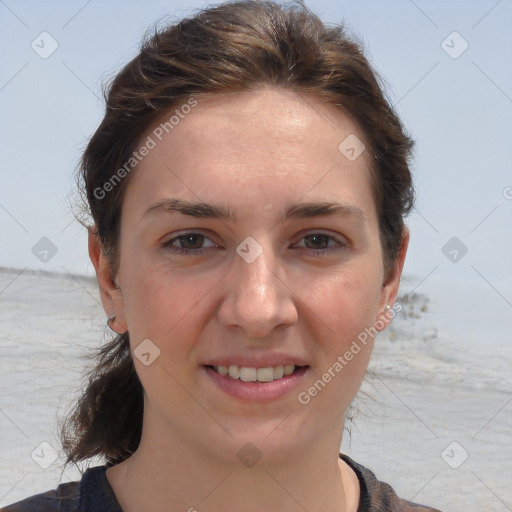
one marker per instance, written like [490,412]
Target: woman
[248,186]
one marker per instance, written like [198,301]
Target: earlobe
[390,288]
[394,281]
[110,292]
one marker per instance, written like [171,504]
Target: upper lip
[263,361]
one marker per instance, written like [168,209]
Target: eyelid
[334,238]
[184,233]
[340,243]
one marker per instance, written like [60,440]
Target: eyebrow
[294,211]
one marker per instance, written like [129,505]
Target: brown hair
[234,46]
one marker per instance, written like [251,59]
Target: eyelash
[198,252]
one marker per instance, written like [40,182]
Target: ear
[110,292]
[389,290]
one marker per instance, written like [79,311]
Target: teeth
[288,369]
[222,370]
[278,371]
[234,371]
[247,374]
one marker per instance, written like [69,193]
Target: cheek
[154,304]
[346,303]
[343,312]
[168,305]
[165,307]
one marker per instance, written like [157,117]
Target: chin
[265,442]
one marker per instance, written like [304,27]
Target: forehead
[252,149]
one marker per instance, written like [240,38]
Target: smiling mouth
[249,374]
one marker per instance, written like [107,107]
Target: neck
[180,476]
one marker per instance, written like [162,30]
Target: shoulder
[63,499]
[92,492]
[377,496]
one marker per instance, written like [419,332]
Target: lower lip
[256,391]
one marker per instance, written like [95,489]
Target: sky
[448,70]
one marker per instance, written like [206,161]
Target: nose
[258,299]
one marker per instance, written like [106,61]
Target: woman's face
[253,275]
